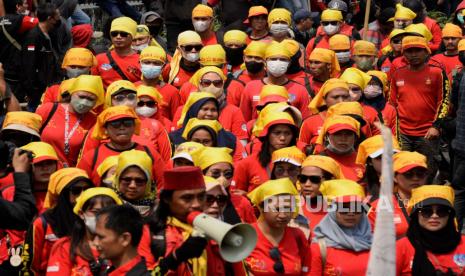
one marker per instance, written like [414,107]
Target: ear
[81,214]
[125,239]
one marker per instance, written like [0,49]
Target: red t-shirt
[400,221]
[420,97]
[129,65]
[293,248]
[350,169]
[171,99]
[51,94]
[59,262]
[390,118]
[54,132]
[450,63]
[249,174]
[233,92]
[243,208]
[182,77]
[339,262]
[210,40]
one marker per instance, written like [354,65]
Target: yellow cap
[329,85]
[404,13]
[346,108]
[355,76]
[42,151]
[59,180]
[406,160]
[124,24]
[292,155]
[276,107]
[339,42]
[108,163]
[415,42]
[210,156]
[279,14]
[381,76]
[420,29]
[189,151]
[116,87]
[235,37]
[373,147]
[277,49]
[142,30]
[342,190]
[93,192]
[202,11]
[191,100]
[273,93]
[153,53]
[189,38]
[255,11]
[268,118]
[114,113]
[461,45]
[79,57]
[212,55]
[429,195]
[91,84]
[331,15]
[23,121]
[364,48]
[325,163]
[150,91]
[138,159]
[451,30]
[256,49]
[194,124]
[336,123]
[292,45]
[396,32]
[326,56]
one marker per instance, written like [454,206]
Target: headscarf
[277,50]
[184,38]
[291,155]
[194,124]
[153,53]
[93,192]
[150,91]
[90,84]
[325,163]
[212,55]
[451,30]
[210,156]
[356,77]
[319,100]
[61,179]
[256,49]
[373,147]
[195,79]
[202,11]
[339,42]
[124,24]
[193,104]
[117,87]
[331,15]
[235,37]
[108,163]
[189,151]
[112,114]
[79,57]
[404,13]
[82,35]
[273,188]
[364,48]
[279,14]
[327,56]
[419,29]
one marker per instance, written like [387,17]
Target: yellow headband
[279,14]
[90,84]
[153,53]
[202,11]
[79,57]
[235,37]
[93,192]
[331,15]
[212,55]
[124,24]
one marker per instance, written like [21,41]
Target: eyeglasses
[292,171]
[219,199]
[217,174]
[313,178]
[278,266]
[116,33]
[326,23]
[128,180]
[415,173]
[122,97]
[148,103]
[216,83]
[428,212]
[75,191]
[397,41]
[123,122]
[189,48]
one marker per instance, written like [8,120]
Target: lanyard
[69,134]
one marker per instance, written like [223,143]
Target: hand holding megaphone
[193,247]
[235,242]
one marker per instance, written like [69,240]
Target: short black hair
[45,10]
[124,218]
[10,5]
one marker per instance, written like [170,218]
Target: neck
[40,186]
[150,82]
[276,80]
[44,27]
[259,33]
[417,67]
[124,146]
[126,257]
[451,53]
[404,195]
[206,34]
[275,234]
[323,77]
[90,237]
[124,51]
[188,63]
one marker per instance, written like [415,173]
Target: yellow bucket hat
[292,155]
[407,160]
[429,195]
[42,151]
[23,121]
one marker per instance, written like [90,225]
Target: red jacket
[435,30]
[451,64]
[59,262]
[249,174]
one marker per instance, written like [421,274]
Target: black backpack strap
[94,159]
[149,153]
[317,40]
[115,66]
[381,61]
[306,79]
[50,115]
[44,223]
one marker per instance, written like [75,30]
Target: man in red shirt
[254,60]
[117,235]
[257,19]
[420,93]
[202,19]
[323,65]
[451,35]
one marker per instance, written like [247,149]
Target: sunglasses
[216,83]
[221,200]
[227,174]
[189,48]
[128,180]
[116,33]
[313,178]
[415,173]
[75,191]
[123,122]
[293,171]
[278,266]
[148,103]
[122,97]
[397,40]
[326,23]
[428,212]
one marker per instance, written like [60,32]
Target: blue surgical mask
[151,71]
[460,18]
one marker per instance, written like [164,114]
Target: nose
[196,204]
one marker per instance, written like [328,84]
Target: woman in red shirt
[66,125]
[433,245]
[286,163]
[344,234]
[76,254]
[280,249]
[150,105]
[64,188]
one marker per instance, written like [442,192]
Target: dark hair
[157,223]
[79,244]
[10,6]
[61,217]
[372,179]
[417,7]
[122,219]
[264,156]
[45,10]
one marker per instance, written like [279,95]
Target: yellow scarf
[199,265]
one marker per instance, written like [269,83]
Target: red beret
[183,178]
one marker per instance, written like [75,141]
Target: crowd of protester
[259,112]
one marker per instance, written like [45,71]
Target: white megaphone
[236,242]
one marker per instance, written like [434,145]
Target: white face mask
[372,91]
[201,26]
[216,91]
[192,57]
[91,223]
[279,28]
[343,57]
[277,68]
[146,111]
[76,72]
[141,47]
[330,29]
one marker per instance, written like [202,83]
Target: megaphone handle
[198,233]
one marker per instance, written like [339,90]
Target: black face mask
[234,55]
[294,66]
[254,67]
[462,57]
[154,30]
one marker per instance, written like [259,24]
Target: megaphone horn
[236,242]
